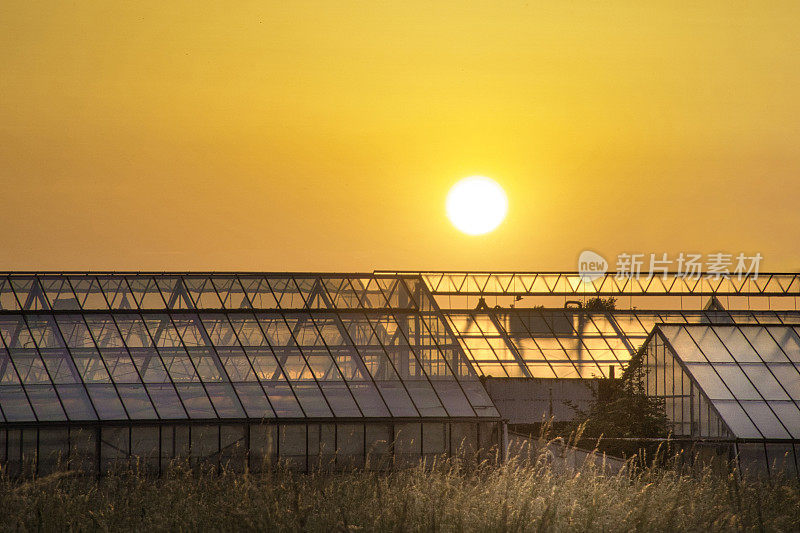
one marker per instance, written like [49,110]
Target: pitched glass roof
[749,373]
[169,346]
[504,341]
[574,343]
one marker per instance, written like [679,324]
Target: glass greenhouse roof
[510,340]
[574,343]
[166,346]
[105,345]
[750,374]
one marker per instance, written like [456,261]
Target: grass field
[447,496]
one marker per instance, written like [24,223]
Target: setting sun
[476,205]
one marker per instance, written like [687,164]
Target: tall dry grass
[448,495]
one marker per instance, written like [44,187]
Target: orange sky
[325,135]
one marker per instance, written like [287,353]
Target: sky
[324,136]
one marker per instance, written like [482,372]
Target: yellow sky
[325,135]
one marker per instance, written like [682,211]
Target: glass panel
[737,420]
[218,330]
[789,414]
[231,292]
[764,381]
[15,333]
[133,331]
[736,382]
[480,400]
[248,331]
[208,366]
[259,292]
[166,401]
[114,447]
[59,365]
[195,400]
[349,445]
[752,458]
[435,438]
[765,420]
[202,292]
[8,302]
[178,365]
[8,376]
[311,399]
[120,365]
[90,366]
[292,442]
[15,405]
[789,342]
[146,293]
[44,332]
[106,401]
[104,331]
[737,344]
[710,344]
[162,331]
[282,399]
[236,364]
[294,365]
[453,399]
[88,292]
[683,344]
[287,293]
[764,345]
[425,398]
[341,294]
[781,459]
[76,402]
[396,398]
[59,293]
[264,363]
[117,293]
[190,331]
[275,330]
[408,442]
[788,376]
[74,331]
[225,401]
[205,443]
[312,294]
[322,365]
[370,294]
[174,292]
[137,403]
[29,366]
[149,364]
[709,381]
[340,399]
[368,399]
[254,400]
[29,293]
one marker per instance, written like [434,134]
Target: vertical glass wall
[737,384]
[152,449]
[686,406]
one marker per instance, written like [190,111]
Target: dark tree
[621,408]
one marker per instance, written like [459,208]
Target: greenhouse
[100,369]
[735,385]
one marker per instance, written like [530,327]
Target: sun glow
[476,205]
